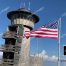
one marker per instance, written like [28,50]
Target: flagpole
[59,33]
[37,51]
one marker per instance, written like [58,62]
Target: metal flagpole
[59,33]
[37,52]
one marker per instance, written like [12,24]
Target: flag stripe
[46,37]
[41,32]
[44,32]
[48,30]
[43,35]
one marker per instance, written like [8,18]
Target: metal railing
[9,34]
[9,48]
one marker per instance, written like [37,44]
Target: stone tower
[17,47]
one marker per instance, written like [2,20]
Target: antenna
[29,6]
[40,9]
[63,35]
[64,14]
[5,9]
[24,4]
[20,5]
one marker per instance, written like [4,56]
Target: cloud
[45,56]
[54,58]
[5,9]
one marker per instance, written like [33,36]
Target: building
[17,47]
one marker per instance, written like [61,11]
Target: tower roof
[23,11]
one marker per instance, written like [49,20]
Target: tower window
[13,28]
[10,41]
[8,55]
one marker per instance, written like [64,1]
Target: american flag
[50,31]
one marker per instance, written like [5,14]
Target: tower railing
[9,34]
[9,48]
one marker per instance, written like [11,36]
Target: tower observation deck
[24,17]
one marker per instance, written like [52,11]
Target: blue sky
[53,9]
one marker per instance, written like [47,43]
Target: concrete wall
[24,22]
[24,52]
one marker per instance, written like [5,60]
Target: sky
[51,10]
